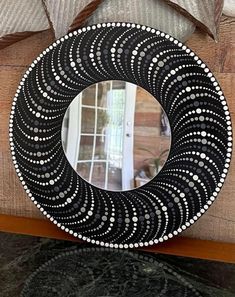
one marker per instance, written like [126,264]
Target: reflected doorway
[116,135]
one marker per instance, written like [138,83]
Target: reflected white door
[128,137]
[73,132]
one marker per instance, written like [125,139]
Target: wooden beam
[196,248]
[179,246]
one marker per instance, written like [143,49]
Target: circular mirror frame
[200,122]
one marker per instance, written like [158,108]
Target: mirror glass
[116,135]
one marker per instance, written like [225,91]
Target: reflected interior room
[116,135]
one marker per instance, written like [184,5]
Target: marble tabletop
[33,266]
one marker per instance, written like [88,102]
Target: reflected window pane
[88,96]
[114,177]
[88,120]
[102,90]
[102,120]
[118,84]
[101,148]
[84,169]
[86,148]
[98,174]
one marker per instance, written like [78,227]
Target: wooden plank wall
[147,130]
[219,221]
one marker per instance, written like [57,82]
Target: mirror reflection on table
[110,273]
[116,135]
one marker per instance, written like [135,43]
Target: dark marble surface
[32,266]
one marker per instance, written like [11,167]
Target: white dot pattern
[198,114]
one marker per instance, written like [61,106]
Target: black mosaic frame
[192,99]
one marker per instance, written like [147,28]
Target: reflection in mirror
[116,135]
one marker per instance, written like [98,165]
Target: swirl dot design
[200,123]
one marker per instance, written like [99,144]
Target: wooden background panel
[14,60]
[147,132]
[218,223]
[217,55]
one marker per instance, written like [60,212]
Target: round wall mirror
[113,135]
[116,135]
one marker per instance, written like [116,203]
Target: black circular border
[192,99]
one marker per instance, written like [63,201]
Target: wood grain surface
[219,221]
[179,246]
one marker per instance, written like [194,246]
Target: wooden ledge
[179,246]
